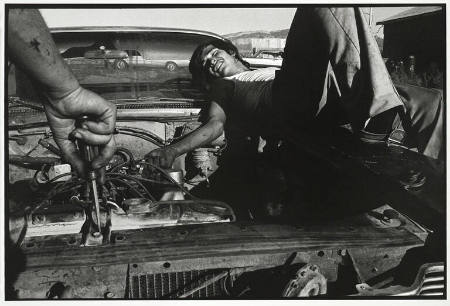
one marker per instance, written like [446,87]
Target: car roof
[131,29]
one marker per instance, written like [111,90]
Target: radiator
[176,284]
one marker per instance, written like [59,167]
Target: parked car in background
[116,58]
[135,58]
[266,58]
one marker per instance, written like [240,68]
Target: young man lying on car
[331,62]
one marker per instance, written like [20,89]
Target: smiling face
[219,63]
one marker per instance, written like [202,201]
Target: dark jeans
[333,74]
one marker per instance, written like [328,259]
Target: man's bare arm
[205,134]
[31,47]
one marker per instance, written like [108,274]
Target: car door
[136,58]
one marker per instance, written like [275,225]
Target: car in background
[115,57]
[135,58]
[266,58]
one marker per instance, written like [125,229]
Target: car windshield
[129,64]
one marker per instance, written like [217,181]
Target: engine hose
[50,194]
[29,160]
[137,131]
[50,147]
[149,139]
[118,166]
[60,176]
[64,187]
[156,182]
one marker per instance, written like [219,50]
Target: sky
[217,20]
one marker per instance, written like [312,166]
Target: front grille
[429,281]
[175,284]
[432,283]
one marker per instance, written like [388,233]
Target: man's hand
[213,128]
[31,47]
[97,130]
[162,157]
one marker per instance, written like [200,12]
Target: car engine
[135,194]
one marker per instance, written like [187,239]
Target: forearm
[203,135]
[31,47]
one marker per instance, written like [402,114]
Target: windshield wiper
[156,99]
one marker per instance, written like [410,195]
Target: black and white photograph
[254,151]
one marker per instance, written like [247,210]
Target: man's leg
[331,48]
[424,122]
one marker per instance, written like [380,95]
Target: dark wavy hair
[199,76]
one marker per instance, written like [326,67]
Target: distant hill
[258,34]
